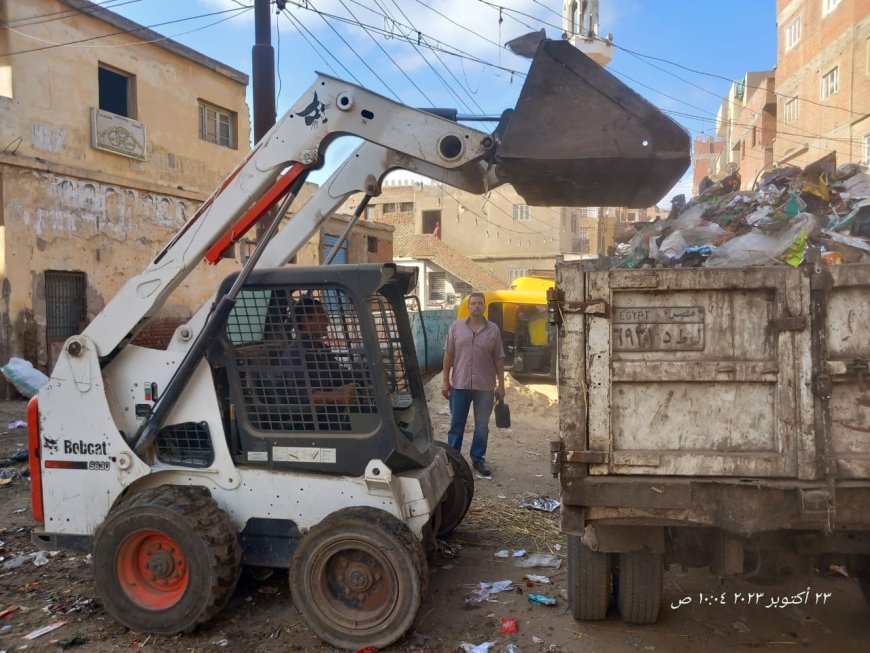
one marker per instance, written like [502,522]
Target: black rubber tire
[209,544]
[639,593]
[589,581]
[860,568]
[864,584]
[389,568]
[457,499]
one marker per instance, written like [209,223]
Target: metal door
[693,372]
[65,309]
[841,304]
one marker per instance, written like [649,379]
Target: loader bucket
[580,137]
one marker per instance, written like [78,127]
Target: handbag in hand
[502,415]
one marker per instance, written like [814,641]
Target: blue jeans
[460,402]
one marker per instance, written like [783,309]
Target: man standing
[475,353]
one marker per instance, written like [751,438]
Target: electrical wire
[424,39]
[235,12]
[668,61]
[356,54]
[66,13]
[302,29]
[387,54]
[445,66]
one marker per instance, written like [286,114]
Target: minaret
[580,23]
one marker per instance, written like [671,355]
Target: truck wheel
[166,560]
[458,497]
[358,578]
[639,586]
[589,586]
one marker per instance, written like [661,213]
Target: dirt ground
[260,617]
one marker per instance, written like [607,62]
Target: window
[516,273]
[573,223]
[437,283]
[792,111]
[521,212]
[406,207]
[388,207]
[5,80]
[589,212]
[793,33]
[866,150]
[462,288]
[828,6]
[831,83]
[430,219]
[217,125]
[327,244]
[372,244]
[116,92]
[581,243]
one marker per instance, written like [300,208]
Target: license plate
[677,328]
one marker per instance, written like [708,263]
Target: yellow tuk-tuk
[521,314]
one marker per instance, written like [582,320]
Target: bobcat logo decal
[315,112]
[51,445]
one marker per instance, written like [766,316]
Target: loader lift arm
[362,172]
[330,108]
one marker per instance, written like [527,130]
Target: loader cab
[316,370]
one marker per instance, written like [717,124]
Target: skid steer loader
[286,425]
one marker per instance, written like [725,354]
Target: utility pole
[263,79]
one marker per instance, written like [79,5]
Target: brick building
[746,125]
[705,153]
[823,80]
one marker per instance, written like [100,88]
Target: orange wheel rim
[152,570]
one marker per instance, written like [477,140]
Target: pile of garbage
[822,207]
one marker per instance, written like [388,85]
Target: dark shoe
[482,469]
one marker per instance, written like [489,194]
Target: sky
[679,54]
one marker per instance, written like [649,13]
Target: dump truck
[710,418]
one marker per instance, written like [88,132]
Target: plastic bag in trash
[545,504]
[26,378]
[540,560]
[759,248]
[679,241]
[485,590]
[480,648]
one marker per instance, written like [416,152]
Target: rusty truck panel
[694,372]
[713,418]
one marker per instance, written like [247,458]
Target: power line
[356,54]
[424,39]
[435,70]
[66,13]
[301,29]
[387,54]
[673,63]
[235,12]
[127,45]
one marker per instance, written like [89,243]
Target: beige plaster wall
[53,91]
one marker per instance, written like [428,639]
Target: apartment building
[746,130]
[823,80]
[104,153]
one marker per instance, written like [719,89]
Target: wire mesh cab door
[321,373]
